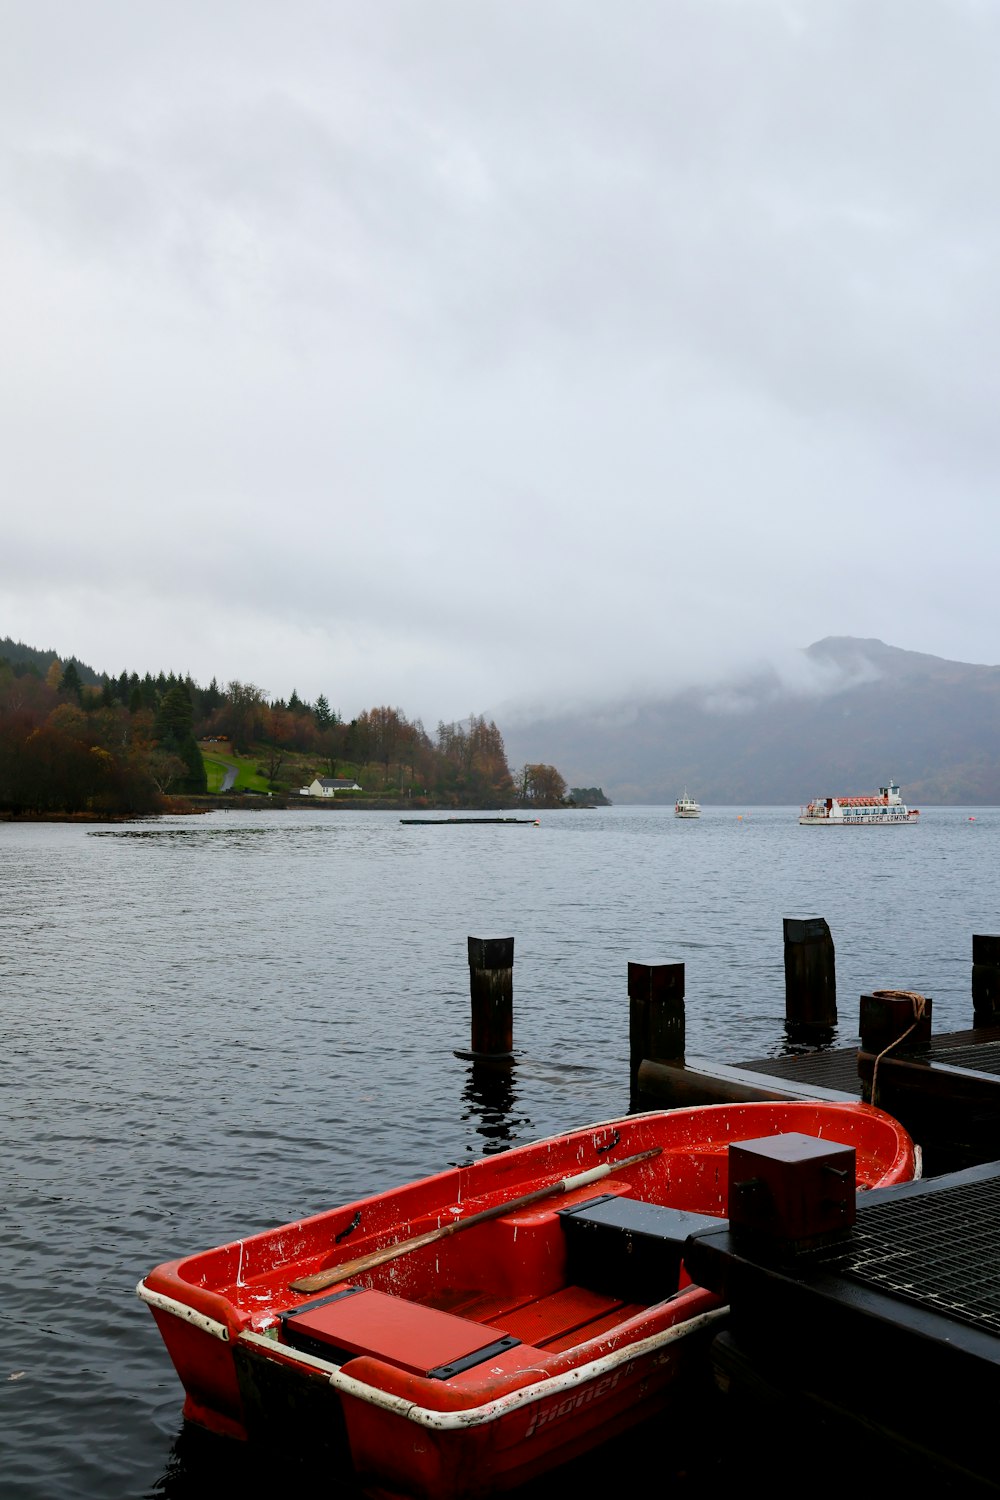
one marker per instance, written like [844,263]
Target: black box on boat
[627,1249]
[791,1193]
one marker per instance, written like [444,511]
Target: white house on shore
[329,786]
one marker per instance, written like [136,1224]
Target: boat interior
[549,1279]
[539,1283]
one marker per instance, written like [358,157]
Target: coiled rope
[919,1004]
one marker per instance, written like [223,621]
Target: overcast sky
[458,354]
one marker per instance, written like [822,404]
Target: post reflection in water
[489,1098]
[799,1038]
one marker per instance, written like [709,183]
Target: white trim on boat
[181,1310]
[491,1411]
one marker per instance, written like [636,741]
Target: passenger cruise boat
[869,810]
[686,807]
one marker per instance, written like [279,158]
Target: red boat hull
[482,1358]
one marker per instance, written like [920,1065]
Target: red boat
[465,1333]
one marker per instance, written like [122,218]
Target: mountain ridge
[843,717]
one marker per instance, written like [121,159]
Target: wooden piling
[656,1015]
[894,1025]
[985,980]
[888,1017]
[491,984]
[810,973]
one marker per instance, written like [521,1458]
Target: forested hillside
[75,743]
[19,655]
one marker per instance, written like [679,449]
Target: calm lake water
[215,1024]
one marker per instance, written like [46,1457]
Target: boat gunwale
[187,1278]
[491,1411]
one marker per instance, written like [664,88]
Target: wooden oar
[350,1268]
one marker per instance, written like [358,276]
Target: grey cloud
[485,354]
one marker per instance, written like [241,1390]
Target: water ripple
[214,1025]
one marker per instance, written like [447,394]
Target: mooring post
[892,1023]
[985,980]
[655,1015]
[887,1016]
[491,984]
[810,973]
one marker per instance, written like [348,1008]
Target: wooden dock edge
[930,1077]
[698,1081]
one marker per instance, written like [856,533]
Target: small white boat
[865,811]
[686,807]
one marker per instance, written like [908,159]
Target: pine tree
[173,730]
[70,683]
[175,714]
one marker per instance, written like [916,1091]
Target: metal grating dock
[828,1070]
[935,1249]
[984,1057]
[837,1068]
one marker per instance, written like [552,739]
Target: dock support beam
[810,973]
[655,1015]
[985,980]
[491,985]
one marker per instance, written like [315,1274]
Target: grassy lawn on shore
[247,776]
[297,771]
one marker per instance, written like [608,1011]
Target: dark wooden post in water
[810,973]
[887,1016]
[985,980]
[894,1024]
[656,1015]
[491,983]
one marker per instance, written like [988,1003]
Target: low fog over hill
[840,717]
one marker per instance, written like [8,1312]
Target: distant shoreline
[261,802]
